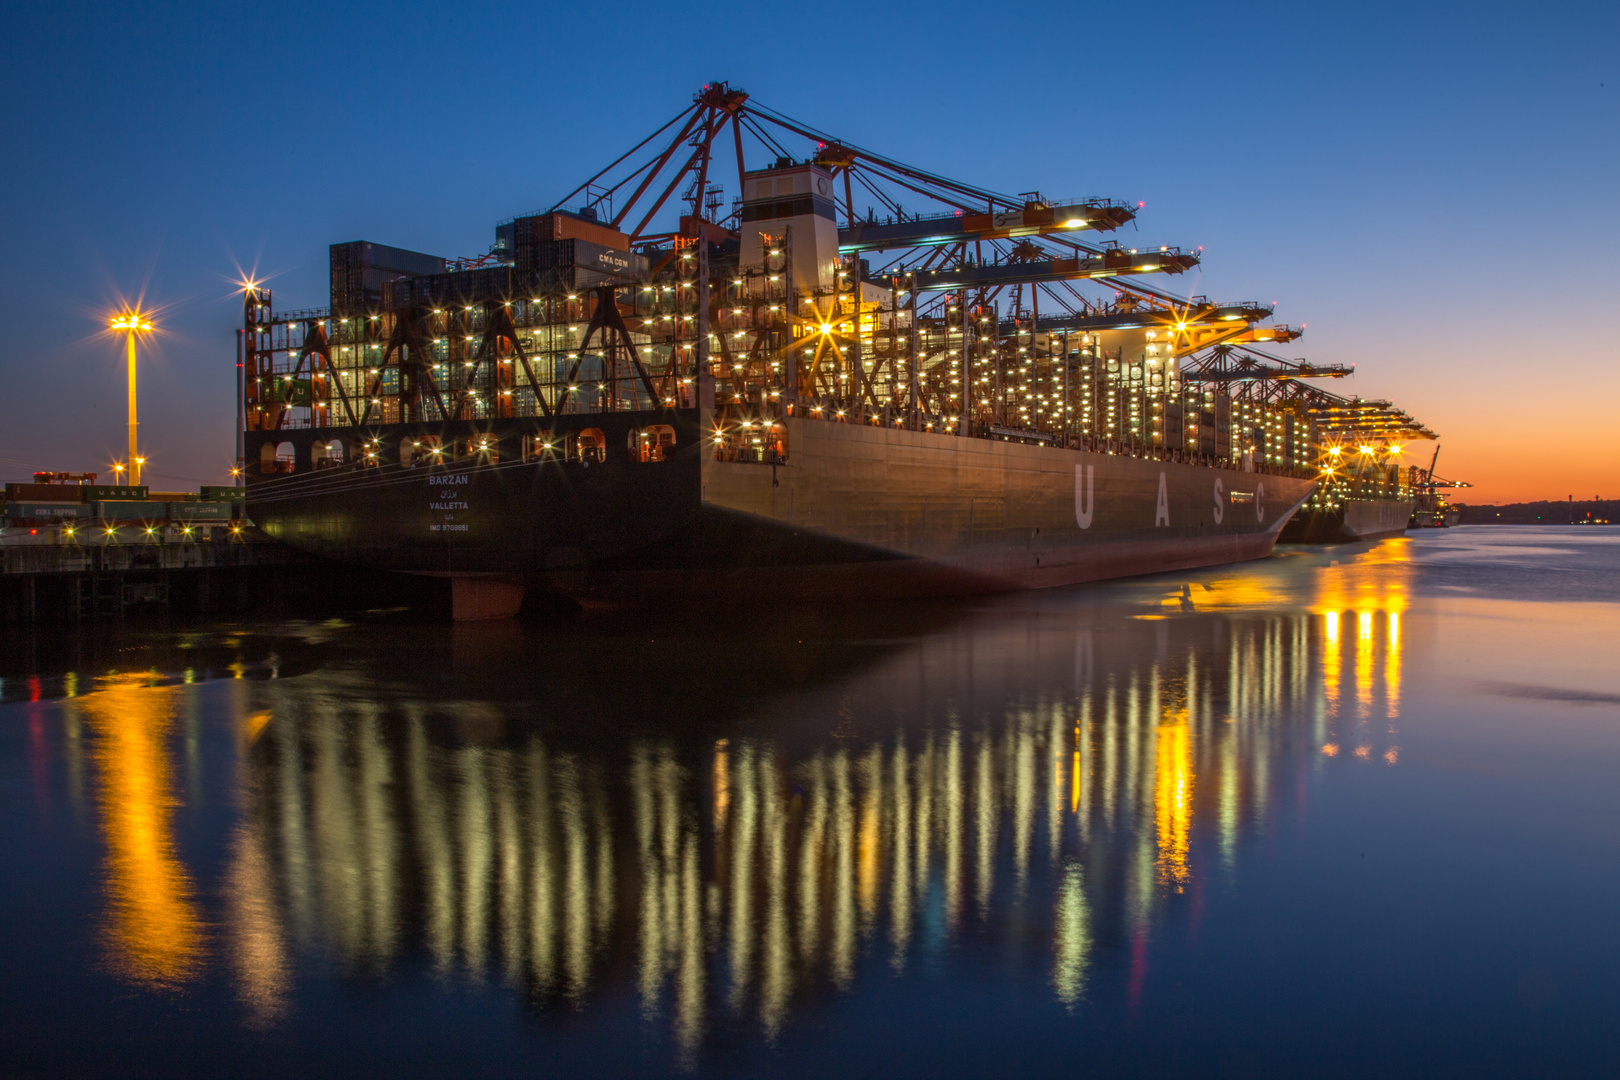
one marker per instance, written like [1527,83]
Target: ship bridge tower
[791,205]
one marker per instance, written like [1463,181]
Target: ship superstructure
[854,372]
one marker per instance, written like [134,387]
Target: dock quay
[73,551]
[49,577]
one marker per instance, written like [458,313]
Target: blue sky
[1430,188]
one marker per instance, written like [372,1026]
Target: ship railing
[300,315]
[749,455]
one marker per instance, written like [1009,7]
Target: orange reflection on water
[1364,663]
[153,932]
[1241,591]
[1331,659]
[1392,670]
[722,781]
[1172,802]
[1378,579]
[1371,583]
[1074,794]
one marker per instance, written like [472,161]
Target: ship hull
[1353,520]
[852,510]
[1434,519]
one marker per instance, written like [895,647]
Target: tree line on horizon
[1545,512]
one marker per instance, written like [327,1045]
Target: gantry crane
[931,303]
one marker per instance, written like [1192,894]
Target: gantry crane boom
[1111,262]
[1100,215]
[1191,313]
[1226,363]
[1358,418]
[1268,334]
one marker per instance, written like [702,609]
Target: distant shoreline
[1574,512]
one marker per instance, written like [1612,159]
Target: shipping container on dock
[38,511]
[130,510]
[199,511]
[45,492]
[113,492]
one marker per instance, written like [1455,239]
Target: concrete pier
[47,576]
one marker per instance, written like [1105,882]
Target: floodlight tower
[130,325]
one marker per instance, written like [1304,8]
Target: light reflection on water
[1058,782]
[741,874]
[152,929]
[751,870]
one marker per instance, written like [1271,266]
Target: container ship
[1364,492]
[855,378]
[1363,495]
[1433,509]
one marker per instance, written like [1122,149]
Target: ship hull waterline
[851,511]
[1352,521]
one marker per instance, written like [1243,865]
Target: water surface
[1347,810]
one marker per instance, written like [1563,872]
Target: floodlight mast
[130,324]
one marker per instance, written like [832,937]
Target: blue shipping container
[131,511]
